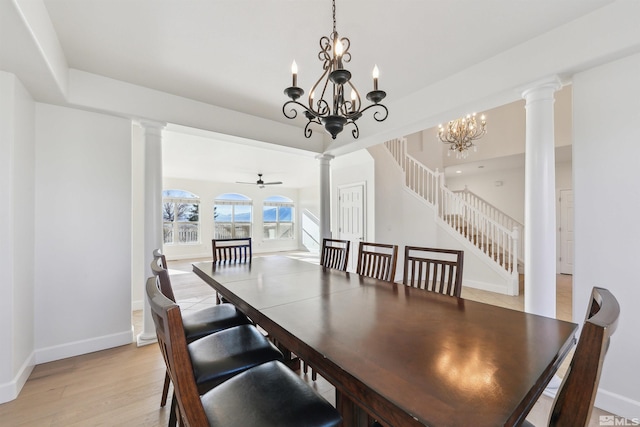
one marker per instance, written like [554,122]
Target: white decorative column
[540,207]
[152,215]
[325,196]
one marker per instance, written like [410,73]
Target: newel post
[515,234]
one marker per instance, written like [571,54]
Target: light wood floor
[122,386]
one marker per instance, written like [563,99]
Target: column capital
[325,158]
[151,126]
[541,88]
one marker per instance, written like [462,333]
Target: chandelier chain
[334,15]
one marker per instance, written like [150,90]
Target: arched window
[232,216]
[278,213]
[180,217]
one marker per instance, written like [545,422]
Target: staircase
[480,226]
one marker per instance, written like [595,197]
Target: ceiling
[197,155]
[238,54]
[233,57]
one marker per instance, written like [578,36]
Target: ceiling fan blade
[244,182]
[272,183]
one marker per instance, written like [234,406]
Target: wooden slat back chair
[159,269]
[433,269]
[335,254]
[575,397]
[269,394]
[159,257]
[377,260]
[168,322]
[232,250]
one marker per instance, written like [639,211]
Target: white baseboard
[484,286]
[137,305]
[77,348]
[9,391]
[619,405]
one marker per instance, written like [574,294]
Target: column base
[146,339]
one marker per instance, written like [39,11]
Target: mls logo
[607,420]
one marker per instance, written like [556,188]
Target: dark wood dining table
[400,355]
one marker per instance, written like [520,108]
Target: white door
[566,231]
[351,219]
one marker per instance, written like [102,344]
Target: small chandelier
[461,133]
[327,105]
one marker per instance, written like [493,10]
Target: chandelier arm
[322,105]
[377,113]
[356,131]
[307,130]
[293,113]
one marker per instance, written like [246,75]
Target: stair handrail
[398,149]
[489,209]
[480,229]
[422,180]
[495,213]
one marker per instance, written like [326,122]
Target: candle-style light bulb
[353,100]
[339,49]
[376,74]
[294,73]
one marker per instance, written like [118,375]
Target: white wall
[83,232]
[17,141]
[138,268]
[425,147]
[354,168]
[607,201]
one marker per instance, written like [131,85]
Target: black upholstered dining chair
[433,269]
[268,394]
[377,260]
[220,355]
[197,324]
[574,400]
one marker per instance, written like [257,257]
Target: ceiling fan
[260,183]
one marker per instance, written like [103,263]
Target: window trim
[175,223]
[278,204]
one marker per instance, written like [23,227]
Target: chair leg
[173,415]
[165,390]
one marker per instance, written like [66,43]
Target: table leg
[352,414]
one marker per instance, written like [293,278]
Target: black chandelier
[331,109]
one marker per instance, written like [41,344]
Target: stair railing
[493,213]
[464,213]
[496,241]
